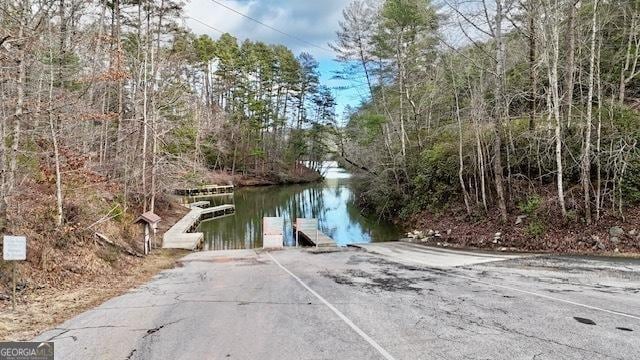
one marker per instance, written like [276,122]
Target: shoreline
[301,176]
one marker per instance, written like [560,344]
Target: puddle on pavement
[385,275]
[584,320]
[381,280]
[624,329]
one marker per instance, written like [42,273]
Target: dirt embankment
[69,268]
[539,232]
[64,276]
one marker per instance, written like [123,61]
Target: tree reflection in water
[331,202]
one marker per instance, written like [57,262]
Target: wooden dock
[206,191]
[200,204]
[181,235]
[309,231]
[217,212]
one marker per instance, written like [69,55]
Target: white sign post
[14,248]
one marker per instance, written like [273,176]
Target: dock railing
[309,228]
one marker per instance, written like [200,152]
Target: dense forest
[496,109]
[123,93]
[489,109]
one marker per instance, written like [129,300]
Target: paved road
[434,257]
[388,301]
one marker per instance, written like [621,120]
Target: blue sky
[314,21]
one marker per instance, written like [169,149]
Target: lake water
[330,201]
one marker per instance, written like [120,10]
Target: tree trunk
[631,58]
[477,111]
[19,109]
[118,60]
[465,194]
[570,64]
[500,112]
[154,108]
[532,64]
[599,138]
[401,95]
[586,154]
[54,139]
[552,53]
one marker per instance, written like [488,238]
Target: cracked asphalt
[391,300]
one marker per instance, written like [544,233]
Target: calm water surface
[330,201]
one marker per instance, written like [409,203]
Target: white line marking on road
[355,328]
[530,292]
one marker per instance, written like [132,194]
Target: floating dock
[217,212]
[200,204]
[206,191]
[309,231]
[180,235]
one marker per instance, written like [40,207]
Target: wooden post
[155,230]
[13,297]
[146,238]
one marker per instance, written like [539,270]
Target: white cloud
[315,21]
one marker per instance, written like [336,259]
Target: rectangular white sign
[14,248]
[273,225]
[272,228]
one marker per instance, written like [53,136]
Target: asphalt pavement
[378,301]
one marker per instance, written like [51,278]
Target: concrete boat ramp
[354,303]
